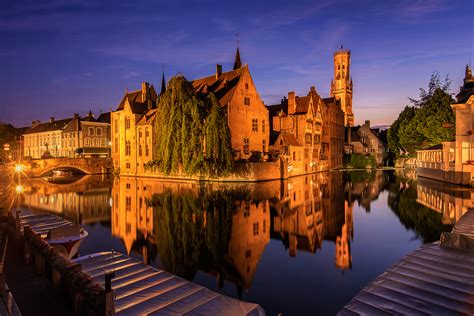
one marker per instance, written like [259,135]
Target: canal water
[298,247]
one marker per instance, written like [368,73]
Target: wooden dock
[141,289]
[437,279]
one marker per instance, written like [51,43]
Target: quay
[142,289]
[105,283]
[436,279]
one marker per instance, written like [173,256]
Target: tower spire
[163,84]
[237,62]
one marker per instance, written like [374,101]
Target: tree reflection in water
[224,229]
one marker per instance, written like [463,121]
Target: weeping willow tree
[219,157]
[191,132]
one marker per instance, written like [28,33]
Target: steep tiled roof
[354,135]
[302,104]
[274,110]
[290,139]
[48,127]
[222,87]
[147,117]
[104,117]
[137,101]
[465,92]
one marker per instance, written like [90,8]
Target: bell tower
[341,84]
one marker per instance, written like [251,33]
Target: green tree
[191,132]
[427,122]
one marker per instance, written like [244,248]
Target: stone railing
[407,163]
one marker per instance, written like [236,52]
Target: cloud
[419,8]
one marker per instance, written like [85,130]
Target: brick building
[71,137]
[341,84]
[131,129]
[365,140]
[297,131]
[247,116]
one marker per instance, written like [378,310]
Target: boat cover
[42,223]
[432,280]
[142,289]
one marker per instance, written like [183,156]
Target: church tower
[341,84]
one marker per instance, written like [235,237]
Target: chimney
[218,71]
[291,102]
[76,116]
[367,122]
[145,90]
[51,119]
[35,123]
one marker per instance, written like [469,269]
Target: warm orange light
[19,188]
[19,168]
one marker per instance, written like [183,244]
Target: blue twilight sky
[60,57]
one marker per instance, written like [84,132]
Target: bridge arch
[40,167]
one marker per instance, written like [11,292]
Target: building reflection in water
[449,200]
[223,230]
[84,201]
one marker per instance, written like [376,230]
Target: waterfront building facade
[131,130]
[297,127]
[74,137]
[454,161]
[87,137]
[44,139]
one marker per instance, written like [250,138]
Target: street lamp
[19,168]
[19,188]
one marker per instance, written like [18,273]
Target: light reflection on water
[302,246]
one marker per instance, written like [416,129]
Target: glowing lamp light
[18,168]
[19,188]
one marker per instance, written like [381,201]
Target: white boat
[67,239]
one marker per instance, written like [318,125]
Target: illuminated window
[246,145]
[255,229]
[127,148]
[127,122]
[254,125]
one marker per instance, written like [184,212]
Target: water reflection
[84,201]
[223,231]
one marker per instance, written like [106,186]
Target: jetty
[436,279]
[143,290]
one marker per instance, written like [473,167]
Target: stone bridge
[39,167]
